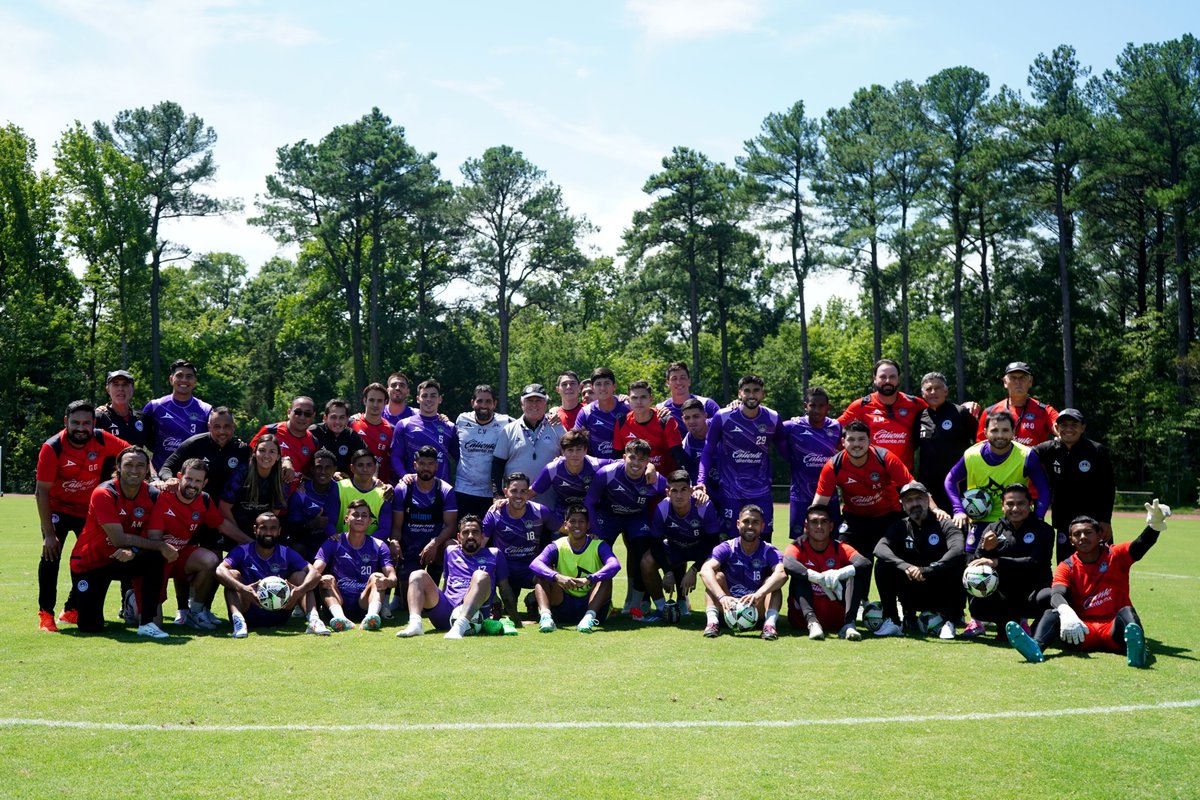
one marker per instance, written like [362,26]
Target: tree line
[1055,224]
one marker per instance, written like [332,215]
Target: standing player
[746,571]
[333,433]
[586,393]
[1034,419]
[424,517]
[662,433]
[363,485]
[1090,607]
[179,415]
[425,429]
[223,451]
[890,414]
[313,509]
[112,546]
[944,431]
[296,442]
[68,470]
[521,529]
[599,417]
[575,572]
[1080,474]
[568,392]
[529,442]
[568,477]
[375,431]
[397,408]
[360,573]
[695,425]
[807,443]
[478,431]
[682,529]
[736,451]
[679,384]
[120,418]
[829,579]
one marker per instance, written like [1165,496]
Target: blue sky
[593,93]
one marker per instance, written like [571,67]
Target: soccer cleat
[653,617]
[386,611]
[297,612]
[546,624]
[212,619]
[588,625]
[46,622]
[1024,644]
[815,631]
[974,628]
[1135,645]
[372,622]
[153,631]
[413,628]
[636,615]
[194,620]
[508,627]
[240,630]
[712,630]
[947,631]
[180,617]
[69,616]
[318,628]
[770,634]
[340,624]
[889,628]
[850,633]
[459,629]
[129,608]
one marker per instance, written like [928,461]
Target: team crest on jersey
[139,512]
[232,462]
[829,562]
[137,425]
[275,567]
[364,558]
[92,455]
[971,539]
[874,476]
[195,516]
[756,563]
[695,523]
[342,450]
[1028,538]
[1085,466]
[304,450]
[947,424]
[904,412]
[762,428]
[383,437]
[82,586]
[934,539]
[1029,416]
[1104,567]
[1062,537]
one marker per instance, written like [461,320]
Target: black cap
[1071,413]
[535,390]
[913,486]
[118,373]
[1018,366]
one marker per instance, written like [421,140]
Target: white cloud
[680,20]
[849,27]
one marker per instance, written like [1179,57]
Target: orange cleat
[69,616]
[46,622]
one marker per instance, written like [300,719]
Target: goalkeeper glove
[1070,627]
[1156,515]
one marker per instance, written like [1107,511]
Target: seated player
[474,573]
[521,529]
[744,570]
[363,485]
[1089,601]
[360,569]
[829,579]
[920,561]
[569,475]
[249,563]
[313,508]
[1020,547]
[575,575]
[112,546]
[682,529]
[424,518]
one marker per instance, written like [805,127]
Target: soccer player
[1080,474]
[247,564]
[313,509]
[113,546]
[679,384]
[529,442]
[427,428]
[1019,547]
[478,431]
[575,577]
[567,388]
[176,518]
[736,450]
[568,477]
[424,517]
[807,443]
[333,433]
[360,572]
[474,573]
[120,418]
[745,570]
[662,433]
[695,425]
[586,393]
[521,529]
[1090,607]
[890,414]
[223,451]
[682,529]
[375,431]
[68,470]
[599,417]
[829,579]
[920,560]
[295,440]
[944,431]
[363,485]
[1034,419]
[992,465]
[179,415]
[397,407]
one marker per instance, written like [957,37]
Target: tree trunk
[694,309]
[373,289]
[1160,261]
[905,373]
[1142,261]
[960,361]
[876,297]
[1064,283]
[156,384]
[354,306]
[723,324]
[1187,328]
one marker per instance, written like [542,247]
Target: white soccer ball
[476,624]
[931,622]
[872,616]
[980,580]
[273,592]
[742,617]
[977,503]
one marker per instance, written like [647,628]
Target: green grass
[616,675]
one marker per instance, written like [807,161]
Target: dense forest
[1054,223]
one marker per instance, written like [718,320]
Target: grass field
[622,713]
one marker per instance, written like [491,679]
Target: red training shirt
[109,506]
[179,520]
[662,436]
[1097,591]
[73,472]
[1034,421]
[892,426]
[871,490]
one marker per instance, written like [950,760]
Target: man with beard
[424,518]
[478,431]
[334,434]
[829,579]
[890,414]
[360,573]
[68,470]
[296,442]
[520,528]
[745,570]
[313,508]
[397,408]
[249,563]
[177,416]
[428,428]
[683,530]
[1081,480]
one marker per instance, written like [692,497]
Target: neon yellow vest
[981,475]
[577,565]
[348,492]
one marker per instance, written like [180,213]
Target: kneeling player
[1095,580]
[473,572]
[829,579]
[360,569]
[682,529]
[249,563]
[744,570]
[575,576]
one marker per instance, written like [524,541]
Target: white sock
[374,606]
[415,621]
[772,617]
[313,616]
[710,612]
[588,617]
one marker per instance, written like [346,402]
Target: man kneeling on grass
[1089,598]
[360,569]
[745,571]
[249,563]
[575,575]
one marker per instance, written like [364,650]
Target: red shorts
[1099,637]
[177,569]
[831,614]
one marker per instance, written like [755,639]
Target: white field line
[1167,575]
[13,722]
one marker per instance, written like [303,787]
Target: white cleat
[151,630]
[947,631]
[317,627]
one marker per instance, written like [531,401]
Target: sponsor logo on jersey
[815,459]
[170,513]
[121,513]
[70,463]
[885,437]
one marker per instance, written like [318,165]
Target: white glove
[839,578]
[1156,515]
[817,579]
[1070,627]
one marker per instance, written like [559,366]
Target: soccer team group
[361,517]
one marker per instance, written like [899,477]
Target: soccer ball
[273,592]
[980,580]
[671,612]
[977,503]
[872,616]
[742,617]
[476,621]
[931,622]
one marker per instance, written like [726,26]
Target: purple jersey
[568,489]
[600,426]
[520,539]
[415,432]
[395,419]
[174,422]
[745,574]
[736,449]
[460,567]
[306,504]
[710,408]
[351,566]
[807,449]
[614,493]
[282,562]
[683,533]
[424,513]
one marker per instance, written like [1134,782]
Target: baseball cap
[1071,413]
[535,390]
[1018,366]
[913,486]
[118,373]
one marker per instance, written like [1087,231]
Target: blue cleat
[1024,643]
